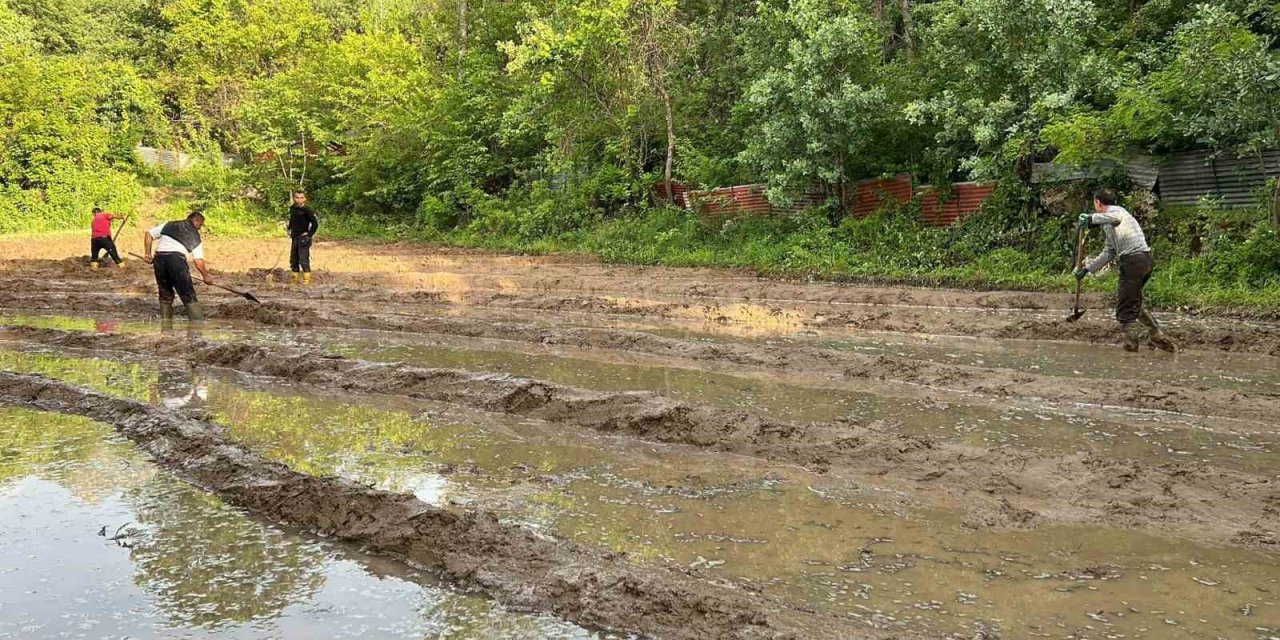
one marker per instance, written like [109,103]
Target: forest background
[551,125]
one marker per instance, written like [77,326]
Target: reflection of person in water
[179,386]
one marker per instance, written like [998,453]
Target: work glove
[1081,273]
[1084,221]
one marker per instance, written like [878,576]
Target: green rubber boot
[194,311]
[1129,336]
[166,316]
[1158,339]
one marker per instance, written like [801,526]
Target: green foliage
[544,125]
[819,111]
[68,126]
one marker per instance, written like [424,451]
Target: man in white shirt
[1126,245]
[174,241]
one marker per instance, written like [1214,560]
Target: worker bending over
[1126,244]
[174,241]
[100,238]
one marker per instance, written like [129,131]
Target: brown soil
[1003,486]
[473,549]
[539,286]
[993,382]
[702,320]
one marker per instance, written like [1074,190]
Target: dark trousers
[300,255]
[105,244]
[173,275]
[1135,270]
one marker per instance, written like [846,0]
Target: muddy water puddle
[95,542]
[814,541]
[1128,434]
[1116,433]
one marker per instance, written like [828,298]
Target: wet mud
[838,547]
[990,381]
[997,486]
[439,284]
[982,413]
[513,565]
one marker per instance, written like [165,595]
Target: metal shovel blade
[1075,315]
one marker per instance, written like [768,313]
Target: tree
[820,112]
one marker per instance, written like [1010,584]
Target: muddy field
[604,451]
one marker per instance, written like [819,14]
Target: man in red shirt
[102,237]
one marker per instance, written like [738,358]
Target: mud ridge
[1002,486]
[999,383]
[588,586]
[987,381]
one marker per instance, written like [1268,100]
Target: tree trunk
[671,140]
[908,31]
[462,35]
[658,77]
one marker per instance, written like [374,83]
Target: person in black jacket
[302,227]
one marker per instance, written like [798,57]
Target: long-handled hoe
[1076,311]
[245,294]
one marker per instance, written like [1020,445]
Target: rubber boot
[195,312]
[293,277]
[1158,339]
[166,316]
[1129,336]
[306,278]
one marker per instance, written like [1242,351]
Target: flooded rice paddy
[98,541]
[805,538]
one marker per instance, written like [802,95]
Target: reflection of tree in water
[208,565]
[451,616]
[126,379]
[86,457]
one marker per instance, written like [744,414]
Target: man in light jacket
[1126,245]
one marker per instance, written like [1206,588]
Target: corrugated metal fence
[172,160]
[744,200]
[1235,181]
[864,199]
[1185,178]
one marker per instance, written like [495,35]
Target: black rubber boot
[1158,339]
[195,311]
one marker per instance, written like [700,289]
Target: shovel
[122,224]
[1076,311]
[245,294]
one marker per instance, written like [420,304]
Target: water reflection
[188,565]
[831,547]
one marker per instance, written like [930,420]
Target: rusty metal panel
[966,199]
[746,200]
[870,195]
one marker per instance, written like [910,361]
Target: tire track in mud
[1002,487]
[588,586]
